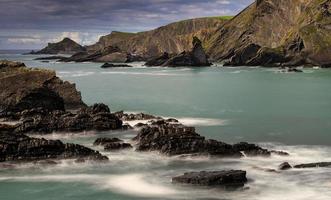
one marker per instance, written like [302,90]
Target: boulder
[135,116]
[285,166]
[231,178]
[158,60]
[19,147]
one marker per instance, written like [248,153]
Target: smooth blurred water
[290,111]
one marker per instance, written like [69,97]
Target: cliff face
[272,32]
[30,84]
[66,46]
[173,38]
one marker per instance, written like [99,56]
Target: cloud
[83,20]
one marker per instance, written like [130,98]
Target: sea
[281,111]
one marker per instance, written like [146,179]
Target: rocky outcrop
[135,116]
[172,138]
[232,178]
[275,33]
[35,88]
[195,58]
[110,65]
[66,46]
[18,147]
[112,144]
[97,117]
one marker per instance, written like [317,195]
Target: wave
[63,74]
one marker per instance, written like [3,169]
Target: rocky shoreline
[39,107]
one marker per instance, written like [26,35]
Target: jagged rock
[232,178]
[112,144]
[195,57]
[132,116]
[66,46]
[176,139]
[30,83]
[18,147]
[314,165]
[96,117]
[158,60]
[284,166]
[290,69]
[110,65]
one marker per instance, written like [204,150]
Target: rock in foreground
[232,178]
[18,147]
[35,88]
[97,117]
[314,165]
[172,138]
[110,65]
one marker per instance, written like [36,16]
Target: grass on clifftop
[223,17]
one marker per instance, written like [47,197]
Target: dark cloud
[42,19]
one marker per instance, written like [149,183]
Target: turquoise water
[290,111]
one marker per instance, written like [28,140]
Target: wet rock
[31,84]
[132,116]
[232,178]
[110,65]
[290,69]
[314,165]
[19,147]
[176,139]
[251,149]
[112,144]
[280,153]
[97,117]
[284,166]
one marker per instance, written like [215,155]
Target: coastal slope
[276,32]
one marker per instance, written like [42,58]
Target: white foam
[135,184]
[142,73]
[189,121]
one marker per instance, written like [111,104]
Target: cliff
[276,32]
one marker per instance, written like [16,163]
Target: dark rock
[104,141]
[195,58]
[139,125]
[30,83]
[284,166]
[19,147]
[251,149]
[51,58]
[290,69]
[280,153]
[176,139]
[159,60]
[112,144]
[232,178]
[66,46]
[110,65]
[117,146]
[132,117]
[314,165]
[96,117]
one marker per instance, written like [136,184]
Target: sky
[31,24]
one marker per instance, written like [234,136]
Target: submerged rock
[232,178]
[285,166]
[314,165]
[112,144]
[19,147]
[176,139]
[110,65]
[135,116]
